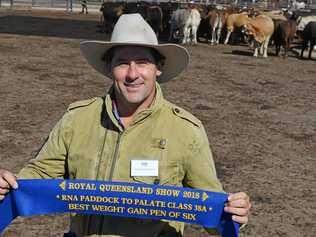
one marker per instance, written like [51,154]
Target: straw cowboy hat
[132,29]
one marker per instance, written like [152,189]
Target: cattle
[309,36]
[178,19]
[186,22]
[167,9]
[235,20]
[260,29]
[275,15]
[284,34]
[111,12]
[302,21]
[298,5]
[190,27]
[154,18]
[216,20]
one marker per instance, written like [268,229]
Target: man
[84,6]
[69,6]
[100,138]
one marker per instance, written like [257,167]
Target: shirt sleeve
[50,162]
[200,167]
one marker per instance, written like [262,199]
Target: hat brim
[176,57]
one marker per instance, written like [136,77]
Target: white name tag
[144,168]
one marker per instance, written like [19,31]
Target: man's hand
[239,205]
[7,181]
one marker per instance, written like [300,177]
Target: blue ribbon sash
[45,196]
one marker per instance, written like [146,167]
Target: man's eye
[142,62]
[122,63]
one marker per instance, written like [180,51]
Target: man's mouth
[132,85]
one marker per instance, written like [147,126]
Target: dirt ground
[260,115]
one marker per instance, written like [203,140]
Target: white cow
[302,21]
[190,27]
[298,5]
[187,22]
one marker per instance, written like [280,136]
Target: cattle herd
[188,23]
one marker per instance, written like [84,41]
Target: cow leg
[262,49]
[312,44]
[304,46]
[213,35]
[227,36]
[194,31]
[186,33]
[218,35]
[256,52]
[265,46]
[286,46]
[277,49]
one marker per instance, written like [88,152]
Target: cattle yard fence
[94,5]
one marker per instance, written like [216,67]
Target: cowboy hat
[133,30]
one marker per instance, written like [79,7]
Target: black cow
[309,36]
[111,13]
[154,18]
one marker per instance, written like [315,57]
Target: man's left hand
[238,205]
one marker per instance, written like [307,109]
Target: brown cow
[235,20]
[283,35]
[260,29]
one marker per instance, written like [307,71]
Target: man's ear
[158,73]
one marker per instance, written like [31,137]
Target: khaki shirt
[89,143]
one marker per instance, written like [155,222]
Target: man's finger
[10,178]
[237,211]
[238,203]
[4,191]
[240,219]
[236,196]
[3,183]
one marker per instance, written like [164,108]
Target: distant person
[69,6]
[84,6]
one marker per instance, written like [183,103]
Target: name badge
[144,168]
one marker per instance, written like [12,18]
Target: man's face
[134,73]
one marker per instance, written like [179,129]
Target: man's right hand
[7,181]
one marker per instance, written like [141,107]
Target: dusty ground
[260,115]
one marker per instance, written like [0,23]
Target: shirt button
[162,143]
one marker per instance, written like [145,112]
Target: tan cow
[275,15]
[235,20]
[260,29]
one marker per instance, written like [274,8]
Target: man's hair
[158,57]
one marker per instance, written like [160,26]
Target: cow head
[253,33]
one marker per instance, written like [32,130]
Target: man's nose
[132,72]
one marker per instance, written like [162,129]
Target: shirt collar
[113,113]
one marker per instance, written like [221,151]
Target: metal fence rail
[94,5]
[58,4]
